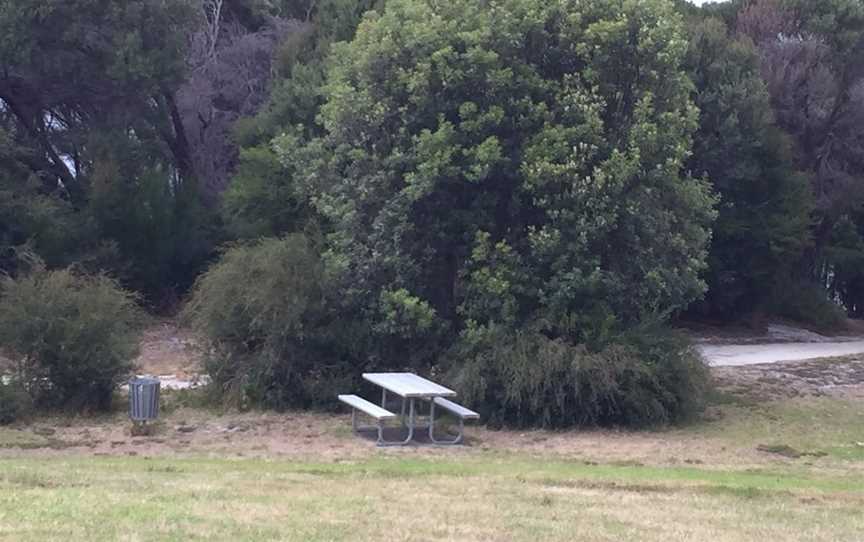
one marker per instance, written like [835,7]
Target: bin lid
[143,380]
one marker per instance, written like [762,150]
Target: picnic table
[411,388]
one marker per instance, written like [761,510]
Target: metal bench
[372,410]
[457,410]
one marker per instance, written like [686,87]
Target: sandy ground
[185,430]
[171,354]
[837,377]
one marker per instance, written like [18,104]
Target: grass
[809,425]
[479,497]
[787,469]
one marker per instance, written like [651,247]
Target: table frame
[408,400]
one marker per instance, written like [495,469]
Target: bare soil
[169,350]
[184,430]
[841,377]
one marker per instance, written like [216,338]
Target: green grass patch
[810,427]
[478,497]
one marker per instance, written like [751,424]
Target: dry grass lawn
[482,497]
[765,464]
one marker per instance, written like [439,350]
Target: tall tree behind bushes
[810,56]
[229,68]
[763,225]
[88,93]
[262,198]
[122,112]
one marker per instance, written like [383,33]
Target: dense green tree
[810,56]
[263,199]
[70,66]
[515,161]
[88,97]
[485,168]
[811,61]
[763,226]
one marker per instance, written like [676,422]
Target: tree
[262,198]
[509,163]
[89,100]
[229,73]
[763,225]
[70,66]
[811,62]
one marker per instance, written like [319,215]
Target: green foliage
[72,337]
[162,232]
[805,302]
[554,133]
[846,253]
[95,165]
[14,402]
[261,309]
[33,219]
[504,166]
[648,377]
[62,84]
[262,199]
[763,224]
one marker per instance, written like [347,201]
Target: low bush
[524,378]
[73,337]
[807,304]
[14,402]
[260,309]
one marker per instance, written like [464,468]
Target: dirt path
[720,355]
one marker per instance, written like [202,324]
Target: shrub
[807,304]
[72,336]
[524,378]
[260,308]
[14,402]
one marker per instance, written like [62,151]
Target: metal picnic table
[411,387]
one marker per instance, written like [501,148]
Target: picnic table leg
[410,421]
[409,438]
[384,398]
[456,440]
[378,425]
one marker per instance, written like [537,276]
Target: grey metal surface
[456,409]
[379,414]
[408,385]
[456,440]
[367,407]
[144,399]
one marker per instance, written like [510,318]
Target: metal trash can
[143,398]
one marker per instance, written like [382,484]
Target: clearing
[779,456]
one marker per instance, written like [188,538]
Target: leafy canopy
[512,161]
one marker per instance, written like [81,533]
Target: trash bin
[143,399]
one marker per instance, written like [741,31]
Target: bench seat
[456,409]
[371,409]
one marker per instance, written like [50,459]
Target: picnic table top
[408,385]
